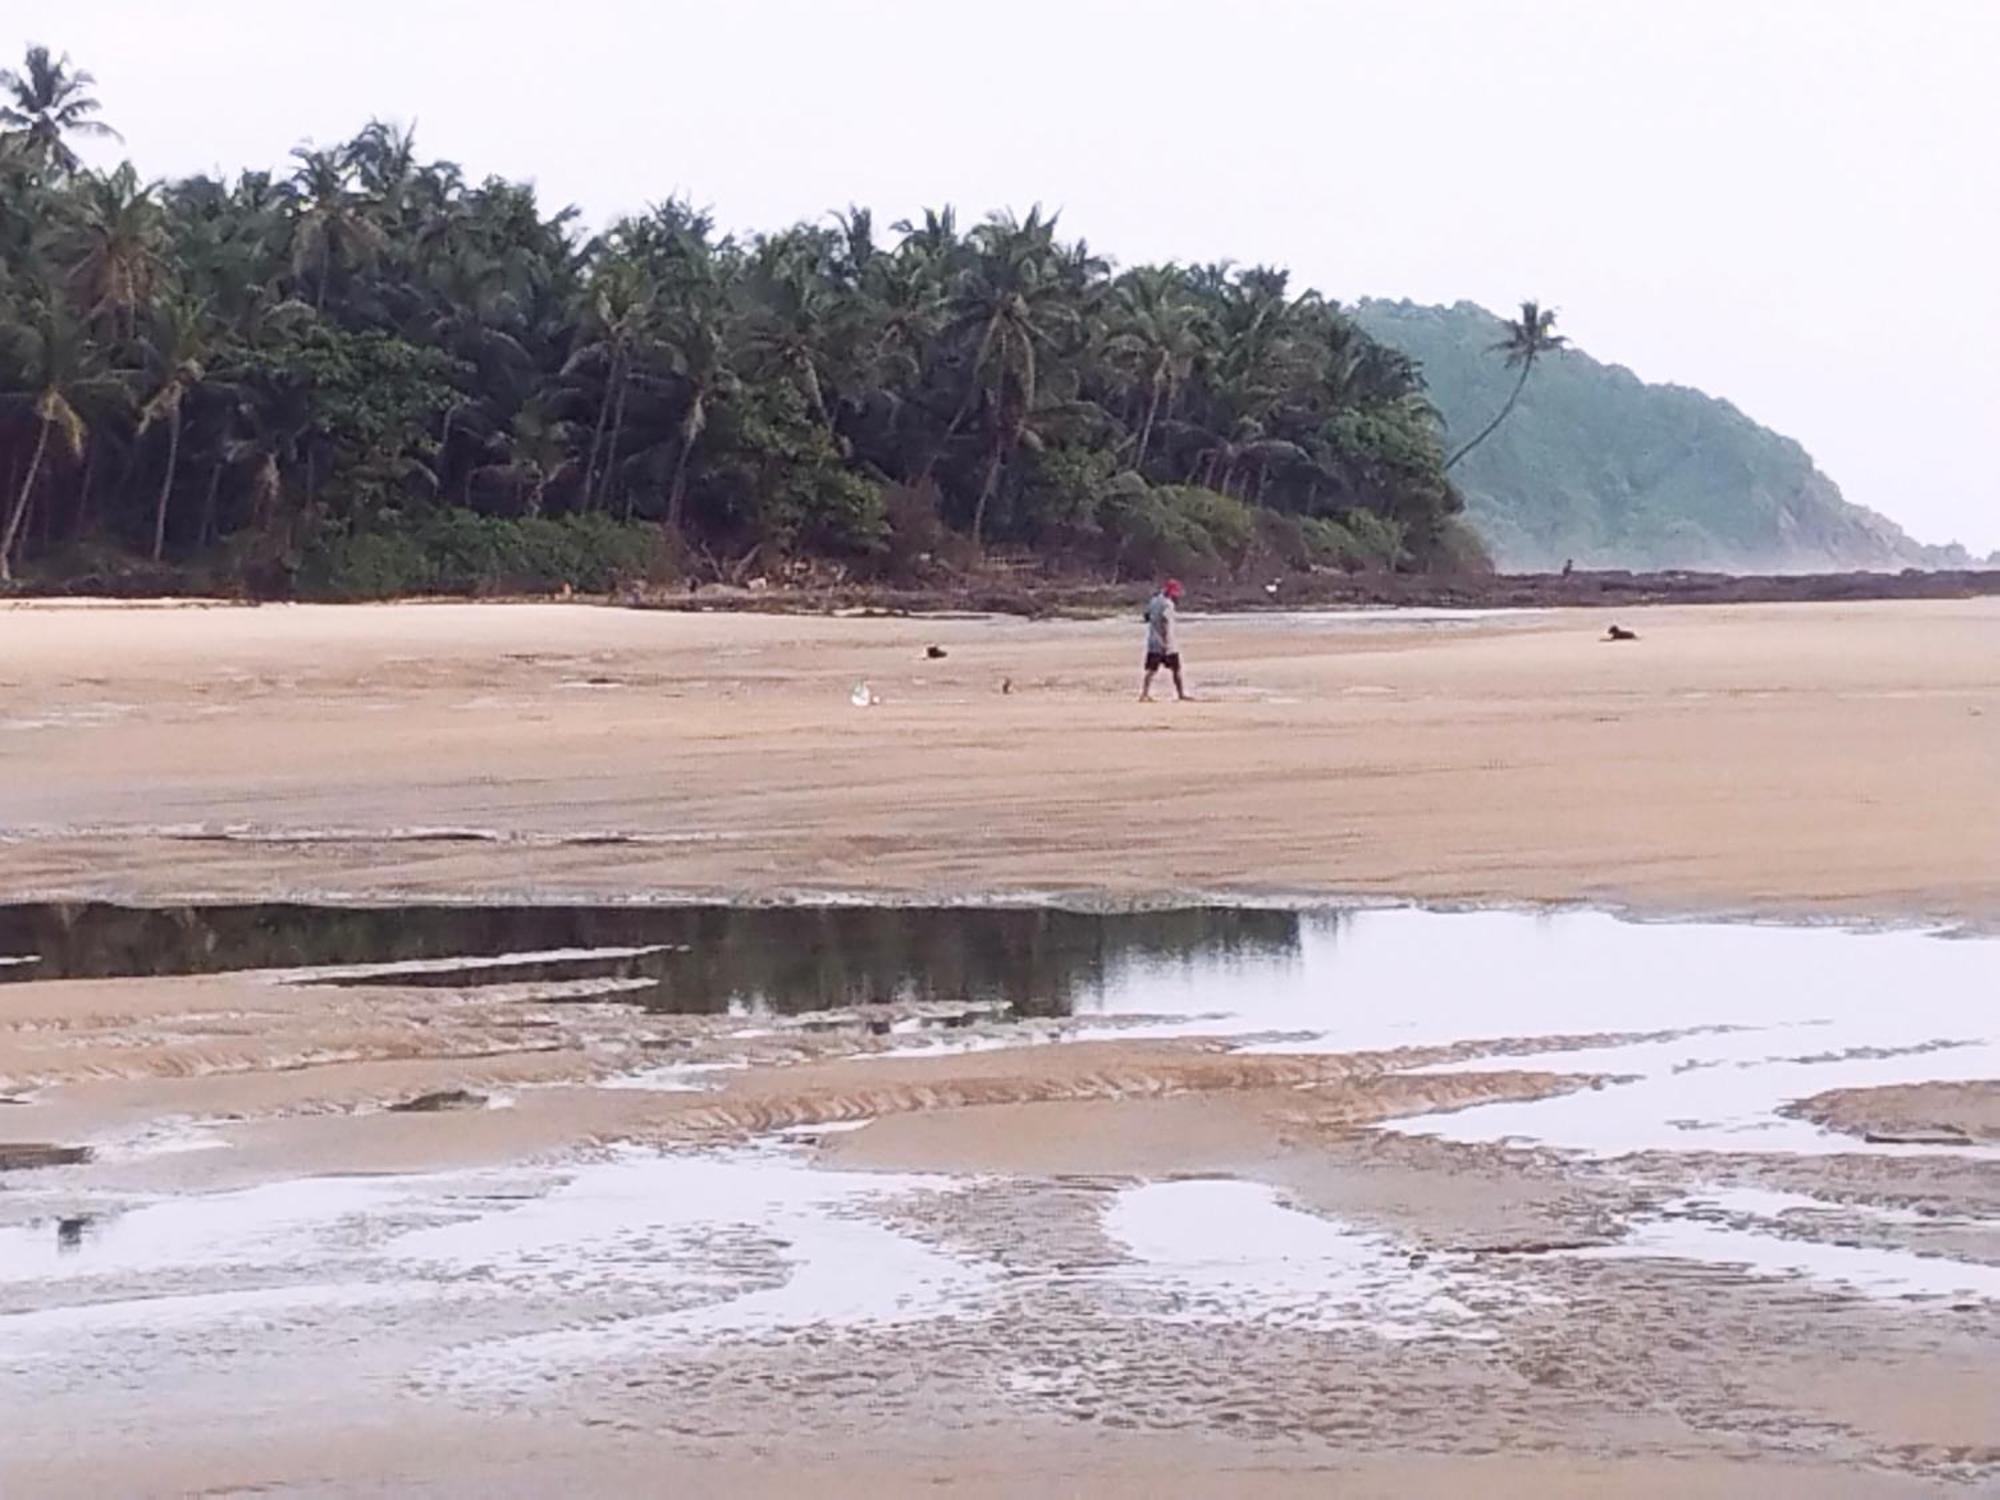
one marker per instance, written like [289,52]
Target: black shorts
[1155,660]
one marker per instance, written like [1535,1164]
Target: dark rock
[436,1103]
[1918,1135]
[21,1156]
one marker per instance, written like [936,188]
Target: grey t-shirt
[1160,626]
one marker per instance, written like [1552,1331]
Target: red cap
[1171,588]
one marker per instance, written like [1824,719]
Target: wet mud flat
[1517,1199]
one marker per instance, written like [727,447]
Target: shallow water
[1743,1018]
[1734,1020]
[1225,1251]
[697,959]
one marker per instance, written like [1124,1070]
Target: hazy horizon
[1773,201]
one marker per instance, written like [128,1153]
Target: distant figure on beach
[1162,648]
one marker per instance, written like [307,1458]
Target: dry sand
[1800,759]
[1815,758]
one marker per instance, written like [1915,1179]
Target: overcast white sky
[1791,203]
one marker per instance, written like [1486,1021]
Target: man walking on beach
[1162,649]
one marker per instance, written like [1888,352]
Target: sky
[1793,204]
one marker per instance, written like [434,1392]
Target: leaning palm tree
[47,103]
[177,352]
[1159,331]
[1009,303]
[49,355]
[699,360]
[1528,336]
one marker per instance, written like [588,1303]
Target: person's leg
[1180,689]
[1146,687]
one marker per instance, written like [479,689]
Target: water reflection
[713,958]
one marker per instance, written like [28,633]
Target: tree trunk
[597,436]
[208,505]
[21,504]
[677,491]
[809,378]
[986,491]
[81,516]
[167,486]
[1487,431]
[1146,432]
[611,454]
[444,448]
[691,426]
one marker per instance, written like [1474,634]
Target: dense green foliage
[1595,465]
[369,374]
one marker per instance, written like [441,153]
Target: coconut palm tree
[330,226]
[46,103]
[795,325]
[1010,303]
[176,352]
[699,360]
[1159,333]
[116,249]
[51,359]
[622,313]
[1528,337]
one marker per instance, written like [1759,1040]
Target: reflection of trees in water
[792,958]
[1039,960]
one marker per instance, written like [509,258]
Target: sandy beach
[1824,759]
[1397,1203]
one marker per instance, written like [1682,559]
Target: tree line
[350,372]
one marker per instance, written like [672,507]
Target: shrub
[1359,541]
[1174,529]
[459,552]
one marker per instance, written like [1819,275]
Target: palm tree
[622,312]
[1530,335]
[177,352]
[50,101]
[1009,302]
[1159,334]
[795,320]
[116,249]
[52,357]
[699,360]
[330,226]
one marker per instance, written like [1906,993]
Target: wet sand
[493,1298]
[763,1255]
[1810,759]
[1946,1113]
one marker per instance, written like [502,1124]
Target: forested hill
[1595,465]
